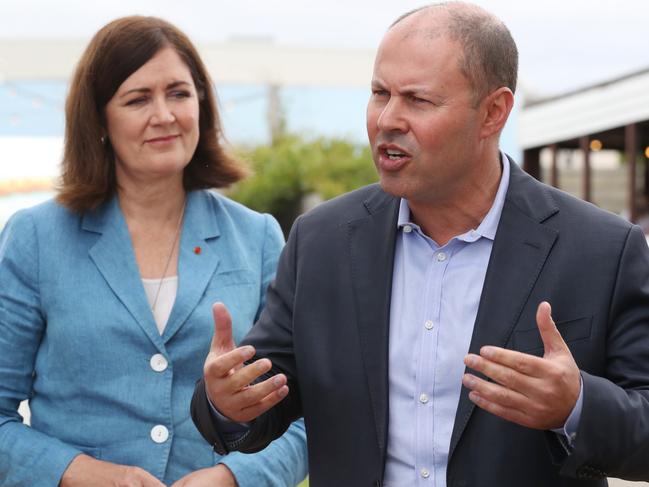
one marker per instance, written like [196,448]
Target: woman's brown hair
[115,52]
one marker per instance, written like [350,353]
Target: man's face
[421,120]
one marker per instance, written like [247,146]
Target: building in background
[594,143]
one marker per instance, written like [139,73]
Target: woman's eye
[136,101]
[180,94]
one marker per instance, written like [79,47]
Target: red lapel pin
[197,250]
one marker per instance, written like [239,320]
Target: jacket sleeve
[613,432]
[272,338]
[284,461]
[27,457]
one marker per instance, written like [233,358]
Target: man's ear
[496,107]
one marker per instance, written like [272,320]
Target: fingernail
[247,352]
[278,381]
[474,397]
[487,352]
[471,360]
[283,391]
[468,380]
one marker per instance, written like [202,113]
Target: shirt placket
[426,365]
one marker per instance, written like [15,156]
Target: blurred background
[293,80]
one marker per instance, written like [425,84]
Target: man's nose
[392,117]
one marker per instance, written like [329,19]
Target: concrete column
[631,149]
[532,162]
[586,180]
[554,172]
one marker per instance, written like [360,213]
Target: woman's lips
[162,140]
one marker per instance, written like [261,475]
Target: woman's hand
[85,470]
[218,476]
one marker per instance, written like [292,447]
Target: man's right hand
[85,470]
[229,383]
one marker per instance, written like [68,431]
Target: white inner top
[166,297]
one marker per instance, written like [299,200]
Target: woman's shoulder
[48,214]
[224,207]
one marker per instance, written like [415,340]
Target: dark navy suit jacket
[326,327]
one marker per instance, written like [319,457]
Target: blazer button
[159,433]
[158,362]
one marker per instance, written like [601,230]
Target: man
[381,293]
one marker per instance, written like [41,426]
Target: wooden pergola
[613,115]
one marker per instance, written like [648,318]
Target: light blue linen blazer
[77,336]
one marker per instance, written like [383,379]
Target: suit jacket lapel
[520,249]
[113,255]
[371,245]
[198,259]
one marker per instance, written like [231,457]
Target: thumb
[222,341]
[552,339]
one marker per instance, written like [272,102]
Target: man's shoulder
[351,206]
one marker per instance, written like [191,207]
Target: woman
[105,303]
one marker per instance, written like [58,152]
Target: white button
[158,362]
[423,398]
[424,473]
[573,436]
[159,433]
[441,256]
[428,325]
[407,228]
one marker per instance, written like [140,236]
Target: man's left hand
[217,476]
[534,392]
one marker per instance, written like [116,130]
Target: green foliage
[292,168]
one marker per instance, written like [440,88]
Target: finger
[264,405]
[257,392]
[523,363]
[504,375]
[552,339]
[219,366]
[222,340]
[248,374]
[509,414]
[495,393]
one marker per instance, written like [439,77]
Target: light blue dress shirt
[435,295]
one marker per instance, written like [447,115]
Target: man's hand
[228,381]
[534,392]
[85,470]
[217,476]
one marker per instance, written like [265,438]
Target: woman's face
[152,120]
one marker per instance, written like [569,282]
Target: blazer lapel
[198,259]
[371,245]
[520,249]
[113,255]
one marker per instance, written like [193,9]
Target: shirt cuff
[231,430]
[569,430]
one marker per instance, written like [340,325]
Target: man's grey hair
[490,58]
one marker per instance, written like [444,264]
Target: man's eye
[416,99]
[379,93]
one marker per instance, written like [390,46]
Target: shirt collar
[489,223]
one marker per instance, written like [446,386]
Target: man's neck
[463,210]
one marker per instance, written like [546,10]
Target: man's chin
[393,186]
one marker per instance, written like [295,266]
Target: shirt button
[441,256]
[423,398]
[424,473]
[158,362]
[159,433]
[407,229]
[428,325]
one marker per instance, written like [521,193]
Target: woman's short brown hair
[115,52]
